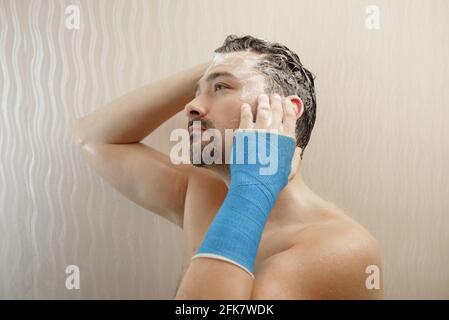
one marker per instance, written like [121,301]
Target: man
[308,249]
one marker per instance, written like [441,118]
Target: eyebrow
[211,77]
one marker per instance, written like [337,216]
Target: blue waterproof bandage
[260,166]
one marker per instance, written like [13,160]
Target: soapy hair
[284,74]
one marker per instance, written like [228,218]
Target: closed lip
[191,129]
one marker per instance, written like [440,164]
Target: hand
[275,112]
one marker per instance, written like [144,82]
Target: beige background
[379,149]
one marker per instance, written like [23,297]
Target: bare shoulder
[330,260]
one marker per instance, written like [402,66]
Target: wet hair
[284,74]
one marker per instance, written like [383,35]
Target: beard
[197,154]
[197,144]
[196,151]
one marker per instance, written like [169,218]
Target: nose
[195,110]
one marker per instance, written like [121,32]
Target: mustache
[205,123]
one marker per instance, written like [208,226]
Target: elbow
[88,148]
[78,134]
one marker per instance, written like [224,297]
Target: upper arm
[142,174]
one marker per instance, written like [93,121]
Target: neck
[295,203]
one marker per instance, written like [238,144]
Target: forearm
[223,267]
[131,117]
[216,280]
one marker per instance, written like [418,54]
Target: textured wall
[379,149]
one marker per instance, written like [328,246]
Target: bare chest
[199,215]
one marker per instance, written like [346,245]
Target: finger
[263,119]
[246,117]
[289,118]
[295,163]
[276,111]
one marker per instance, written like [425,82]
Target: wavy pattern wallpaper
[379,149]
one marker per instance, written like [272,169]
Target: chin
[201,163]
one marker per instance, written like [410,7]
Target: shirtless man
[309,248]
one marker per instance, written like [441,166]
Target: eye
[219,85]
